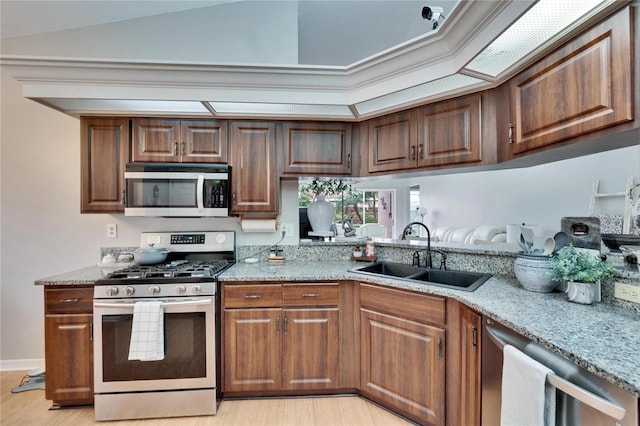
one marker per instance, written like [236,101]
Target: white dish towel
[147,332]
[526,398]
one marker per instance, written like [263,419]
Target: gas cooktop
[173,269]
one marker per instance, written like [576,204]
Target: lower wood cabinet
[402,356]
[69,345]
[281,337]
[464,348]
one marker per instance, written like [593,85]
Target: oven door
[189,361]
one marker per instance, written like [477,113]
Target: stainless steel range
[156,335]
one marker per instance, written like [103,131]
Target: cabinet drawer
[412,306]
[253,296]
[69,300]
[317,294]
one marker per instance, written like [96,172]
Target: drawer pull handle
[69,300]
[253,296]
[310,295]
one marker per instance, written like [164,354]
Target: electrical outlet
[287,228]
[627,292]
[112,230]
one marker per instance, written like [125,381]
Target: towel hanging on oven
[147,332]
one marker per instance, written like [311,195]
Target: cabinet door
[580,88]
[156,140]
[203,141]
[252,349]
[471,350]
[317,149]
[449,132]
[310,349]
[253,173]
[402,366]
[393,142]
[104,153]
[69,359]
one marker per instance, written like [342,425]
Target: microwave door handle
[200,191]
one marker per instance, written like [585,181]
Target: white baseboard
[21,364]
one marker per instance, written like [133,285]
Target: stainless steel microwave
[176,190]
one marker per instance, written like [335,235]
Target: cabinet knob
[253,296]
[349,160]
[175,147]
[510,133]
[413,153]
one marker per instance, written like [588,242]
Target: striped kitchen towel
[147,332]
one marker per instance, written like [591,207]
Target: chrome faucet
[406,230]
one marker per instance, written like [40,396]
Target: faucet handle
[416,258]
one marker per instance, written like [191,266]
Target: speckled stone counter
[602,338]
[84,276]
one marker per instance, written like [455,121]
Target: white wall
[539,195]
[41,229]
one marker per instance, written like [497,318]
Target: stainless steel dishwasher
[582,399]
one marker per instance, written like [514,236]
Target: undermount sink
[459,280]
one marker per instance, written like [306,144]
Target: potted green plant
[582,271]
[321,212]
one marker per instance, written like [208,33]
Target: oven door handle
[164,305]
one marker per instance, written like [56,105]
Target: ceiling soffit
[368,88]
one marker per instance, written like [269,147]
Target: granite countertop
[602,338]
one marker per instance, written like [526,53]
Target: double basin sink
[458,280]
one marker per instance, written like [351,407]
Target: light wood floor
[29,408]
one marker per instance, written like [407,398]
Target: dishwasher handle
[501,339]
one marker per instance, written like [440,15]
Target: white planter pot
[584,293]
[321,214]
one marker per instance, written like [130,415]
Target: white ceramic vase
[321,214]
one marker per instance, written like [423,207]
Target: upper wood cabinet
[253,167]
[393,142]
[104,152]
[442,134]
[173,141]
[584,86]
[316,148]
[449,132]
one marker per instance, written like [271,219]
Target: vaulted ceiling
[345,60]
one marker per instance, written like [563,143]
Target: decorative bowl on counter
[533,273]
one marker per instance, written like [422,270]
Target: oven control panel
[198,241]
[150,291]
